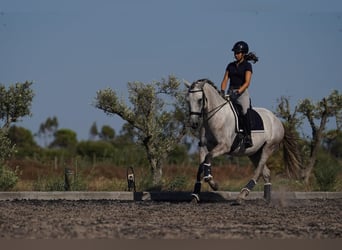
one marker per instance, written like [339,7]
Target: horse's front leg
[208,177]
[198,184]
[205,169]
[197,188]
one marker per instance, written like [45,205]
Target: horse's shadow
[183,196]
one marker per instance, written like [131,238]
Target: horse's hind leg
[250,185]
[259,160]
[266,174]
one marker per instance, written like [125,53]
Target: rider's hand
[234,95]
[223,94]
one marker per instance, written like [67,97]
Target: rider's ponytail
[251,57]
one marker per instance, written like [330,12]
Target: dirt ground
[293,219]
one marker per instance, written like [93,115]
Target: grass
[34,176]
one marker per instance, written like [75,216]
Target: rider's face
[238,56]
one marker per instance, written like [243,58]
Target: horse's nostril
[194,125]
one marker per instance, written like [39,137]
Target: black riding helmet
[240,46]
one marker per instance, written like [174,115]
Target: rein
[206,116]
[213,111]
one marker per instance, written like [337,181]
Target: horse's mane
[204,81]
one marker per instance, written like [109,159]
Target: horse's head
[196,101]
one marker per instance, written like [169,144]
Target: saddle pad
[256,120]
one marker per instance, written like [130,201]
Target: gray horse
[219,134]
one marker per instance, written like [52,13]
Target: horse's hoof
[237,202]
[267,201]
[195,198]
[213,185]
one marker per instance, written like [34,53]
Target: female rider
[240,74]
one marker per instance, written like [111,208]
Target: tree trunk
[317,137]
[156,170]
[308,170]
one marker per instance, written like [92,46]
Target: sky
[72,48]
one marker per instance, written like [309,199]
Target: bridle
[204,98]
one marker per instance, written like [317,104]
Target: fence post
[67,182]
[130,179]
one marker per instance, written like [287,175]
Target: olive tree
[157,114]
[15,102]
[317,115]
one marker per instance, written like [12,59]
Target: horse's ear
[186,83]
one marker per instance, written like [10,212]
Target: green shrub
[6,146]
[58,184]
[78,183]
[326,172]
[145,183]
[49,184]
[100,149]
[178,183]
[8,178]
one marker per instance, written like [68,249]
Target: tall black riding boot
[247,127]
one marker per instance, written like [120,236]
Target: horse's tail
[292,156]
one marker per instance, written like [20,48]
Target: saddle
[255,119]
[256,124]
